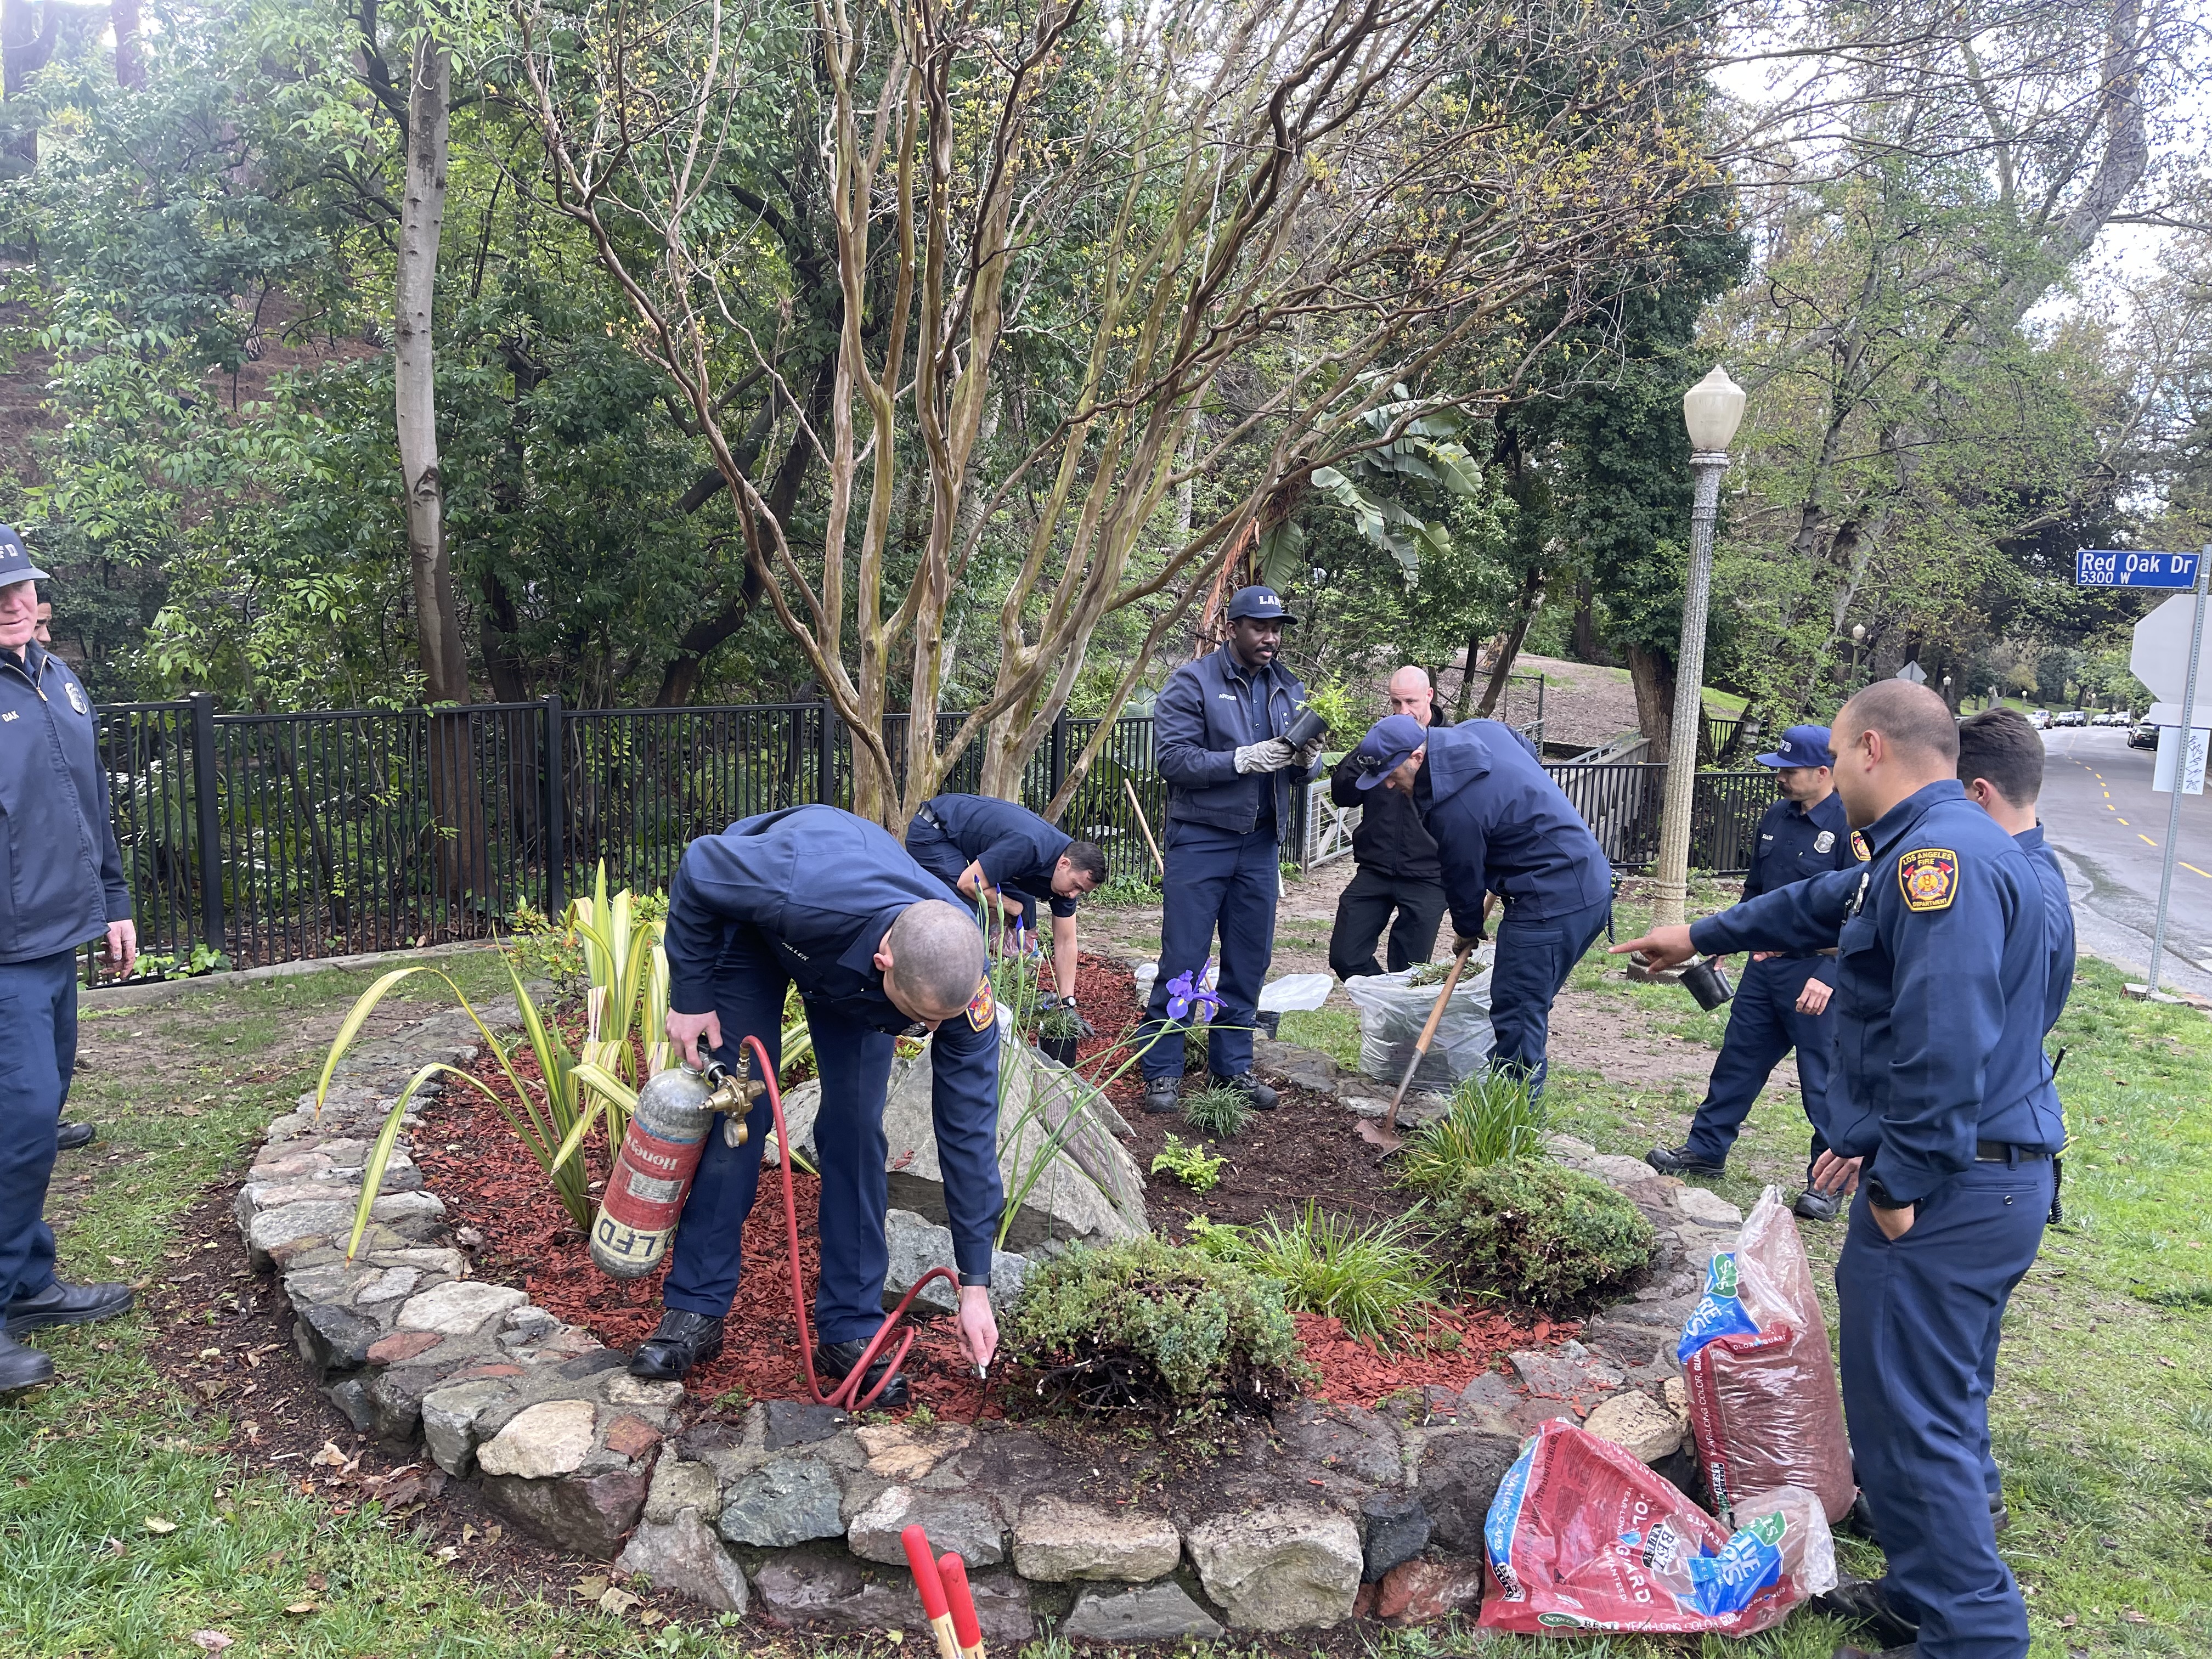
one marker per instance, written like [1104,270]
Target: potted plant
[1058,1032]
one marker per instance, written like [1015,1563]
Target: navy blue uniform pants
[37,1051]
[1918,1326]
[1533,961]
[1764,1025]
[1216,879]
[854,1061]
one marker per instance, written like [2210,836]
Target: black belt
[2003,1151]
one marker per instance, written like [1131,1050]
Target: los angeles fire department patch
[981,1011]
[1928,878]
[1859,846]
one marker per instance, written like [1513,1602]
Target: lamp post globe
[1711,411]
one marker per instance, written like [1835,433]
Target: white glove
[1272,756]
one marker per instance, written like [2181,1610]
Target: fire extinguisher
[659,1155]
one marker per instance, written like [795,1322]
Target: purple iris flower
[1190,1000]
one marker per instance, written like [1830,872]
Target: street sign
[2160,656]
[2169,752]
[2112,567]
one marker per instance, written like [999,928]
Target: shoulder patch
[982,1010]
[1928,878]
[1859,846]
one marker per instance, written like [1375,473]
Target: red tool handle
[926,1578]
[965,1626]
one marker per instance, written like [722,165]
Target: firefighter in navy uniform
[817,897]
[1781,1001]
[1946,1122]
[979,845]
[63,885]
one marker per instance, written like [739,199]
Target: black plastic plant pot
[1708,982]
[1305,728]
[1060,1050]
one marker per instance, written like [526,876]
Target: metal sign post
[2203,571]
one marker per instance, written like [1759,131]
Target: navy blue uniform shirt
[61,872]
[1016,847]
[2057,924]
[1502,826]
[1795,844]
[822,887]
[1206,713]
[1940,985]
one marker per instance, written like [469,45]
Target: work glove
[1461,944]
[1311,752]
[1272,756]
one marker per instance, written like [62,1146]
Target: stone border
[1327,1511]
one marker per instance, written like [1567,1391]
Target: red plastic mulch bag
[1583,1536]
[1761,1379]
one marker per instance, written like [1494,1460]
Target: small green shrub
[1142,1326]
[1217,1110]
[1493,1119]
[1195,1048]
[1191,1165]
[1059,1024]
[1542,1233]
[1124,893]
[1372,1279]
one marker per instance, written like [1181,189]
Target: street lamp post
[1947,694]
[1711,409]
[1858,654]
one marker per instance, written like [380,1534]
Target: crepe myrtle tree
[1053,230]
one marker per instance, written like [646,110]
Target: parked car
[2040,719]
[2144,735]
[2100,718]
[2071,717]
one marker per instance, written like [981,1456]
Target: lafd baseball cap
[1259,604]
[15,564]
[1386,746]
[1802,745]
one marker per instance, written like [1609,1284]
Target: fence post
[556,810]
[209,819]
[825,756]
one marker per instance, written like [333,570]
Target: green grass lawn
[127,1529]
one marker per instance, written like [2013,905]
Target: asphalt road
[2108,827]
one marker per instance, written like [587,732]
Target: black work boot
[684,1339]
[1257,1095]
[1812,1205]
[71,1136]
[1860,1601]
[837,1359]
[63,1303]
[1161,1095]
[22,1369]
[1679,1161]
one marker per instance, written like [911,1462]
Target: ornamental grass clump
[1217,1110]
[1142,1326]
[1375,1280]
[1493,1119]
[1543,1234]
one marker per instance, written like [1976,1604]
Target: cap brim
[1775,761]
[1368,779]
[33,574]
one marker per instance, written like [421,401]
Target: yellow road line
[2129,825]
[2186,865]
[2144,839]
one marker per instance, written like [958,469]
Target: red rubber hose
[842,1395]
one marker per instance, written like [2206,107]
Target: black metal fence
[275,837]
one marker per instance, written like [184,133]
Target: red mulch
[471,1158]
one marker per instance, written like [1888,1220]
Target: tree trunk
[1587,646]
[1653,676]
[454,794]
[27,32]
[129,46]
[1532,595]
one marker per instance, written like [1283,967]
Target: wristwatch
[978,1281]
[1878,1196]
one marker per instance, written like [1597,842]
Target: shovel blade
[1376,1134]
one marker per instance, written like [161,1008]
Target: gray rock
[800,1108]
[1708,1207]
[683,1556]
[1637,1425]
[968,1527]
[639,1392]
[1091,1190]
[1568,1150]
[1565,1372]
[839,1593]
[389,1286]
[786,1501]
[350,1395]
[1490,1403]
[1345,1439]
[459,1309]
[551,1438]
[917,1245]
[787,1422]
[1459,1472]
[275,1228]
[1056,1541]
[332,1339]
[1278,1568]
[1394,1528]
[587,1515]
[1151,1612]
[451,1417]
[680,1484]
[1618,1172]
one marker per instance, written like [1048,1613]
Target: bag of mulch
[1392,1013]
[1583,1536]
[1761,1380]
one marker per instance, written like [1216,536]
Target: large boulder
[684,1556]
[1056,1541]
[1279,1568]
[915,1246]
[1090,1190]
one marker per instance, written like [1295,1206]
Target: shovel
[1385,1134]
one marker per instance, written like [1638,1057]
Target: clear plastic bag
[1583,1536]
[1392,1013]
[1760,1376]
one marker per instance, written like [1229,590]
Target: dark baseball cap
[15,564]
[1258,604]
[1386,746]
[1802,745]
